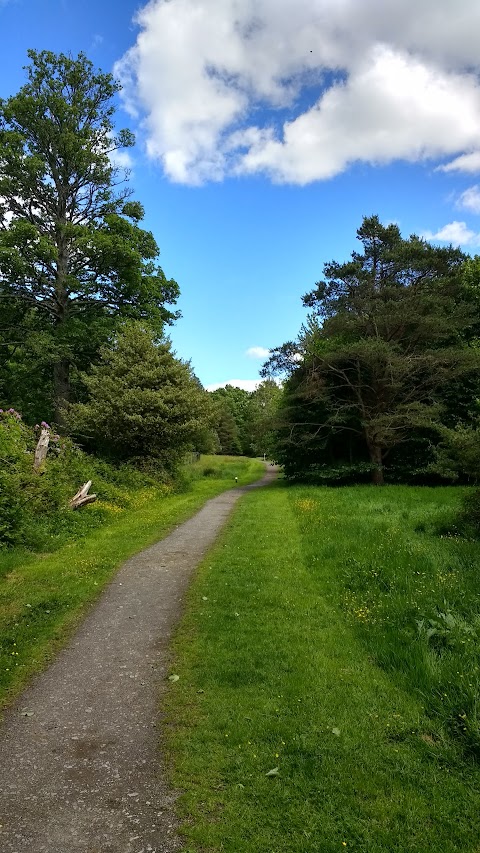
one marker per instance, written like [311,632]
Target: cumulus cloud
[257,352]
[246,384]
[456,233]
[464,163]
[301,89]
[470,199]
[121,159]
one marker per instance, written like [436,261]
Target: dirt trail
[80,771]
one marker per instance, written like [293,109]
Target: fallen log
[82,497]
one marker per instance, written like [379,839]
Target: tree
[236,401]
[142,401]
[226,430]
[263,407]
[71,249]
[25,367]
[387,335]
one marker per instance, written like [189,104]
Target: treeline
[85,308]
[84,303]
[383,382]
[245,421]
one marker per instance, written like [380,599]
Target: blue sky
[266,130]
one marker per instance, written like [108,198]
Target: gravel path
[80,768]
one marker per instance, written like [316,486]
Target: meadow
[328,684]
[45,588]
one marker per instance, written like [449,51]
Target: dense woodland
[383,382]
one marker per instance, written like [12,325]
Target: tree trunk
[376,458]
[61,388]
[61,369]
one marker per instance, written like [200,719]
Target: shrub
[34,509]
[15,473]
[469,518]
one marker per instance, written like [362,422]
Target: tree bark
[376,458]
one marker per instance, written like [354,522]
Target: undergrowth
[44,588]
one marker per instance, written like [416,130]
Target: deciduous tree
[71,248]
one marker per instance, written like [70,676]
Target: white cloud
[394,107]
[257,352]
[246,384]
[221,83]
[122,159]
[456,233]
[464,163]
[96,42]
[470,199]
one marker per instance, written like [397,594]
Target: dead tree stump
[41,450]
[82,497]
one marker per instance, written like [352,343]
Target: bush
[469,519]
[34,509]
[15,473]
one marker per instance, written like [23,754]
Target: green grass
[301,650]
[43,595]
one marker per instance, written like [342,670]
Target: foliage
[263,409]
[71,249]
[226,429]
[34,507]
[389,333]
[15,473]
[245,420]
[232,420]
[142,402]
[458,458]
[468,520]
[458,454]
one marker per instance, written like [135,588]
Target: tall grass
[309,715]
[412,595]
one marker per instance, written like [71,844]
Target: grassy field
[42,595]
[328,686]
